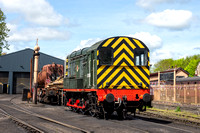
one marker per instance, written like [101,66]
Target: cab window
[141,58]
[105,56]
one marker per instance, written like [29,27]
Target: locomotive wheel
[122,114]
[82,111]
[93,114]
[75,110]
[107,115]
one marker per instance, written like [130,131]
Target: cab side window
[141,58]
[106,56]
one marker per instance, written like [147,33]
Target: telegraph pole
[35,83]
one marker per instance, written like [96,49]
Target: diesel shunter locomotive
[111,75]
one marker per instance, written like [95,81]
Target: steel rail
[185,121]
[145,114]
[48,119]
[21,123]
[137,129]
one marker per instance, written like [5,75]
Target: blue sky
[170,28]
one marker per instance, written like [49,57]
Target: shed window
[105,56]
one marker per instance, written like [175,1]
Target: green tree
[191,67]
[163,65]
[189,64]
[179,63]
[3,32]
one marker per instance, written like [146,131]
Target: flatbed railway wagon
[50,84]
[111,75]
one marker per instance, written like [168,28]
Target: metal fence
[189,93]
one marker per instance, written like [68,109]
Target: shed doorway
[5,88]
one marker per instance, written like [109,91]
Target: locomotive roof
[94,47]
[84,50]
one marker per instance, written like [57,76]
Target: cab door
[91,69]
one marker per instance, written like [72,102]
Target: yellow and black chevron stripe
[123,74]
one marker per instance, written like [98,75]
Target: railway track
[21,123]
[31,128]
[140,123]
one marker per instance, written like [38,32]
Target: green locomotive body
[111,75]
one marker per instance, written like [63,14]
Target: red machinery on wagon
[50,83]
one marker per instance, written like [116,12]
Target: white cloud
[172,19]
[87,43]
[43,33]
[160,54]
[150,4]
[151,41]
[35,11]
[175,50]
[12,27]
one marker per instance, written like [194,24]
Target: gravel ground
[139,124]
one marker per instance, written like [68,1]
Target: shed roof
[188,79]
[170,70]
[20,61]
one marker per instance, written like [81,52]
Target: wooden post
[195,91]
[159,78]
[165,93]
[174,85]
[184,93]
[159,85]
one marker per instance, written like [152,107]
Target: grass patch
[178,109]
[174,113]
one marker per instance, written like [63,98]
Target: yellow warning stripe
[125,57]
[123,46]
[142,74]
[120,77]
[117,42]
[100,69]
[97,52]
[138,43]
[97,62]
[130,43]
[105,73]
[112,75]
[135,76]
[123,84]
[146,70]
[108,42]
